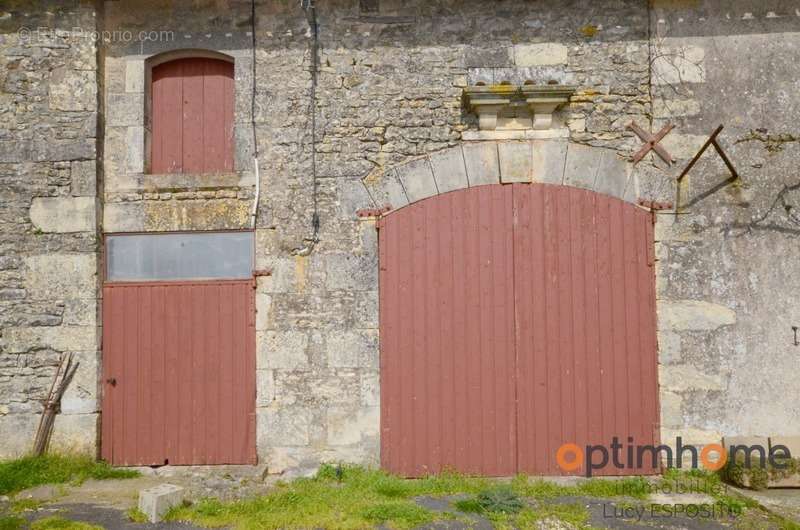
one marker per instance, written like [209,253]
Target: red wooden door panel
[179,373]
[515,319]
[192,116]
[447,336]
[585,306]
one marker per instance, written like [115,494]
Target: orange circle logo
[721,460]
[575,462]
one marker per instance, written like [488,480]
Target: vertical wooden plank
[167,118]
[445,332]
[158,383]
[605,319]
[433,293]
[227,382]
[174,386]
[541,329]
[459,352]
[193,115]
[579,203]
[619,324]
[106,431]
[212,376]
[633,321]
[591,318]
[523,286]
[186,341]
[144,384]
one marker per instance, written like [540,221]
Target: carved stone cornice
[538,101]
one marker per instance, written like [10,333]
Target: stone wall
[388,93]
[48,219]
[727,275]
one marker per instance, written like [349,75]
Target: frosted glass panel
[184,256]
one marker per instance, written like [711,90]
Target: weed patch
[27,472]
[59,523]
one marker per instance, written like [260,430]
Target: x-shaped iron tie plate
[651,142]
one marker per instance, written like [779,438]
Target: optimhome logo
[570,456]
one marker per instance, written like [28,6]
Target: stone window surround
[134,122]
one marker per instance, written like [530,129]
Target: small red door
[179,373]
[192,116]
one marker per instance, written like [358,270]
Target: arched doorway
[514,319]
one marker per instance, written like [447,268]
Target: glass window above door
[179,256]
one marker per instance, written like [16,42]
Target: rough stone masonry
[387,99]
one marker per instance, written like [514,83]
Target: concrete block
[73,90]
[135,158]
[352,195]
[284,427]
[61,276]
[265,387]
[155,502]
[285,350]
[64,214]
[58,338]
[371,389]
[482,164]
[449,170]
[581,165]
[385,189]
[263,309]
[676,65]
[417,179]
[671,415]
[134,76]
[125,110]
[349,427]
[351,272]
[76,433]
[540,54]
[729,441]
[515,161]
[791,442]
[123,217]
[83,174]
[693,315]
[549,157]
[685,377]
[353,349]
[612,174]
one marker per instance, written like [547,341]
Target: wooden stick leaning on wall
[52,405]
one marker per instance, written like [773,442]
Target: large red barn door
[585,306]
[447,335]
[514,319]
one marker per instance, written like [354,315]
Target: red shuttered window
[192,116]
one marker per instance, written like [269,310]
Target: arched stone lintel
[471,164]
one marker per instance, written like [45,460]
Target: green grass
[350,497]
[30,471]
[59,523]
[11,522]
[635,487]
[135,515]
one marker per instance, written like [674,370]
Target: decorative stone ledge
[516,107]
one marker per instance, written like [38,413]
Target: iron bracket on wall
[651,143]
[367,213]
[712,140]
[654,206]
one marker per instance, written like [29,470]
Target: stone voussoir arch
[501,162]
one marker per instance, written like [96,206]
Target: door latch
[112,381]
